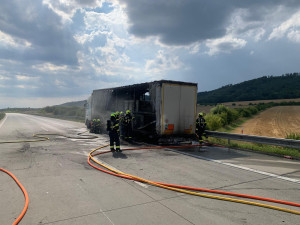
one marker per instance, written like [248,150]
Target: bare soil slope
[246,103]
[206,108]
[274,122]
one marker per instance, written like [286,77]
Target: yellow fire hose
[41,137]
[35,140]
[129,176]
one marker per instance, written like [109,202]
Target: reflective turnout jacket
[200,123]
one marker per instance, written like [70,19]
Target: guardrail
[256,139]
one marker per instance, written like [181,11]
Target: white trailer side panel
[178,109]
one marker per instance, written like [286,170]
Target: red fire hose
[25,195]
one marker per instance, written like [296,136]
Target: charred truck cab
[162,109]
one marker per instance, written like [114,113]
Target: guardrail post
[228,141]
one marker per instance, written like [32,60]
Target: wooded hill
[286,86]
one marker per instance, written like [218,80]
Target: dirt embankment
[247,103]
[274,122]
[206,108]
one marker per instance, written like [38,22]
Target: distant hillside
[268,87]
[78,103]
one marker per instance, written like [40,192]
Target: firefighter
[127,125]
[200,127]
[119,118]
[98,126]
[113,128]
[95,126]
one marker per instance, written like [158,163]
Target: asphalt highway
[63,189]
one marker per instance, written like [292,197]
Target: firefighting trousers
[114,138]
[128,131]
[200,132]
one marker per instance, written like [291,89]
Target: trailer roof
[146,85]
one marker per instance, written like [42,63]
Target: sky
[57,51]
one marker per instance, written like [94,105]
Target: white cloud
[110,59]
[54,6]
[4,77]
[194,48]
[31,32]
[22,86]
[87,37]
[67,8]
[186,22]
[241,26]
[294,36]
[8,40]
[59,83]
[47,67]
[36,102]
[289,28]
[25,78]
[259,33]
[162,63]
[224,45]
[114,20]
[106,41]
[69,47]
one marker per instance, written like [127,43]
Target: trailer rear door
[178,109]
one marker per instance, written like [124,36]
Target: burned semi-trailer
[160,108]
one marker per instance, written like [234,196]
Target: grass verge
[2,115]
[295,136]
[269,149]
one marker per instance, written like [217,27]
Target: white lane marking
[141,184]
[263,173]
[44,129]
[2,122]
[106,216]
[275,161]
[239,167]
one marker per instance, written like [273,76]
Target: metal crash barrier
[256,139]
